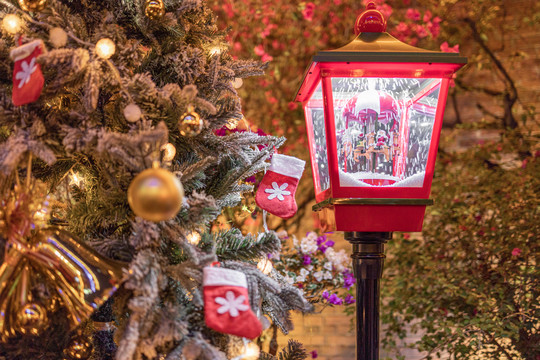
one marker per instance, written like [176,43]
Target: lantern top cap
[370,20]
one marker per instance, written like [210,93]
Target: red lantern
[374,112]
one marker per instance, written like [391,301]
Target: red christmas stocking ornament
[278,187]
[226,303]
[27,76]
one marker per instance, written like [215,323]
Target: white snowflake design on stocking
[278,191]
[231,304]
[26,74]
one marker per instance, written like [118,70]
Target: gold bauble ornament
[31,318]
[32,5]
[155,194]
[190,123]
[154,9]
[79,348]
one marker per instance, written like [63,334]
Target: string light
[251,352]
[265,266]
[194,238]
[75,179]
[169,151]
[12,23]
[215,50]
[105,48]
[231,124]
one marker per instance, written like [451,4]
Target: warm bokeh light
[215,50]
[75,179]
[251,352]
[265,266]
[193,238]
[12,23]
[105,48]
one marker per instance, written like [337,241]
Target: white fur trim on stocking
[23,51]
[223,277]
[287,165]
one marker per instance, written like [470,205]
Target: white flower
[289,279]
[303,274]
[327,275]
[278,191]
[308,246]
[328,266]
[318,275]
[309,267]
[339,259]
[26,73]
[231,304]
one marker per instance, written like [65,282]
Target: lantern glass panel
[314,111]
[383,129]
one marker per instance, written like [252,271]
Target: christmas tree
[112,172]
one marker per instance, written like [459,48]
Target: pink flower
[259,50]
[516,252]
[421,31]
[413,14]
[446,48]
[386,10]
[292,105]
[427,16]
[314,354]
[266,58]
[434,28]
[308,11]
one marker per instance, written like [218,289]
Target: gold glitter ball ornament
[79,348]
[155,194]
[32,5]
[154,9]
[31,318]
[190,123]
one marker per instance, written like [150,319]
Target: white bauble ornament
[132,112]
[58,37]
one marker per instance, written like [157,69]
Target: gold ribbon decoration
[75,274]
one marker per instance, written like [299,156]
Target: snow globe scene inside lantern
[383,129]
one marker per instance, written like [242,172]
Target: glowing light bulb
[231,124]
[105,48]
[193,238]
[75,179]
[12,23]
[169,151]
[251,352]
[215,50]
[265,266]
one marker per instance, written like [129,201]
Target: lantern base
[372,215]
